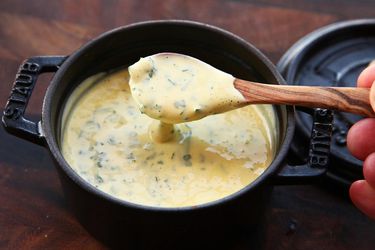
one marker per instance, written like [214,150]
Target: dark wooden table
[32,209]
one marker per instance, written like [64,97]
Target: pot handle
[13,118]
[319,150]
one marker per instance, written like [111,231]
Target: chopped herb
[150,157]
[185,70]
[111,140]
[197,110]
[161,162]
[99,164]
[157,107]
[156,179]
[172,156]
[91,125]
[180,104]
[187,160]
[172,82]
[151,72]
[130,156]
[99,179]
[99,158]
[186,157]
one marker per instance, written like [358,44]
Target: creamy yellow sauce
[107,141]
[176,88]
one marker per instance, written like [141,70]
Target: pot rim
[54,149]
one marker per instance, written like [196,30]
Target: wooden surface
[33,214]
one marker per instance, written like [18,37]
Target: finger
[372,96]
[367,77]
[369,170]
[360,140]
[363,196]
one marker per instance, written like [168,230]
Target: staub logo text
[21,91]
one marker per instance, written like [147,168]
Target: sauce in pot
[106,140]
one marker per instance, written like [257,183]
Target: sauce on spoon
[189,89]
[175,88]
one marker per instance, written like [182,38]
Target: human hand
[361,143]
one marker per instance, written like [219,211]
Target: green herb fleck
[99,179]
[180,104]
[150,157]
[99,164]
[99,157]
[151,73]
[111,140]
[172,82]
[157,107]
[187,160]
[130,156]
[186,157]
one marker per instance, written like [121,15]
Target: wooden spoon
[352,100]
[177,88]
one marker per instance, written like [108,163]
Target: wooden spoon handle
[353,100]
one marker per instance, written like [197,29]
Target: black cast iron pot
[120,223]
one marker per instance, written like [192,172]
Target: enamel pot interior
[109,218]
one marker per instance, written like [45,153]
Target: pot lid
[331,56]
